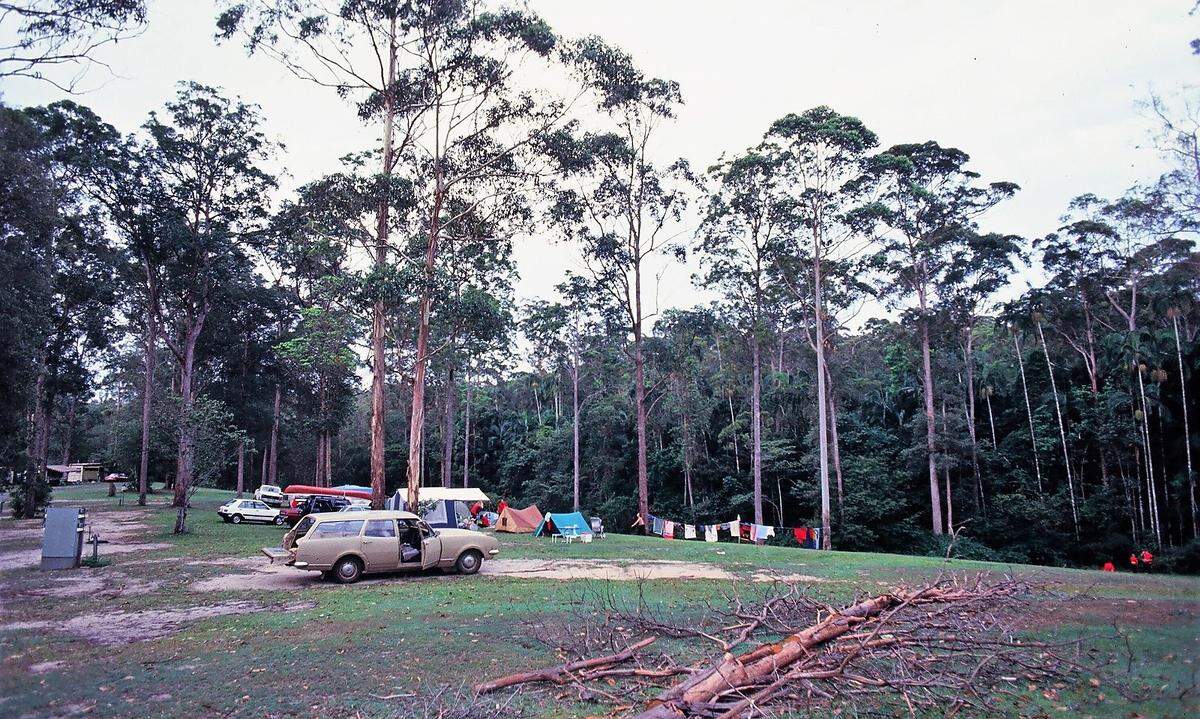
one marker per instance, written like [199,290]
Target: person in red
[1147,558]
[501,507]
[1133,562]
[1108,567]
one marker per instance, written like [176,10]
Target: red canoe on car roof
[327,491]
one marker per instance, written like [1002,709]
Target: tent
[566,523]
[450,505]
[519,521]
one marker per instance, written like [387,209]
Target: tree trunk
[991,418]
[378,360]
[185,460]
[639,391]
[416,424]
[969,362]
[69,431]
[737,462]
[946,478]
[1037,466]
[150,362]
[822,395]
[319,464]
[1151,489]
[328,458]
[467,436]
[935,499]
[836,442]
[273,449]
[1062,432]
[448,430]
[756,423]
[575,429]
[241,468]
[1187,435]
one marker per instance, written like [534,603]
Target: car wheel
[278,520]
[469,562]
[347,570]
[236,519]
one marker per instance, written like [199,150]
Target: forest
[878,360]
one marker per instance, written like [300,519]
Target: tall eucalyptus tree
[929,201]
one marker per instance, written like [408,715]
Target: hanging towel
[734,529]
[656,525]
[801,534]
[710,533]
[689,531]
[762,532]
[668,529]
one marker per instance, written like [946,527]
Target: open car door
[431,547]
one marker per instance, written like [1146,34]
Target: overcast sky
[1041,93]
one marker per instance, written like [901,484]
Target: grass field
[135,637]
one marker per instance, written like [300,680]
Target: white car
[237,511]
[270,494]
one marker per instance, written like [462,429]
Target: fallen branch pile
[949,647]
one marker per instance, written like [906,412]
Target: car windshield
[303,527]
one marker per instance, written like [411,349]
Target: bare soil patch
[266,576]
[119,628]
[120,530]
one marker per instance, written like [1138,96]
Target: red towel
[801,534]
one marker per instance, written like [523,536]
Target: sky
[1045,94]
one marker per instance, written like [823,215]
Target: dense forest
[879,361]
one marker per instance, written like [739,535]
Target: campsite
[686,359]
[201,625]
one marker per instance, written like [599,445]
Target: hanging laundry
[762,532]
[668,529]
[710,533]
[746,531]
[656,525]
[801,534]
[734,528]
[689,531]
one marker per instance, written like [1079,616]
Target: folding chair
[598,527]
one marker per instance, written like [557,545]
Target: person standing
[1133,562]
[1146,558]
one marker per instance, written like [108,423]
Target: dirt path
[265,576]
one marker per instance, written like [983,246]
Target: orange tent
[519,521]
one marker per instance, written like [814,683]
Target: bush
[1181,560]
[31,494]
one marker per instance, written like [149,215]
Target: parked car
[237,511]
[310,505]
[345,546]
[270,494]
[356,508]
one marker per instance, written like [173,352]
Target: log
[766,661]
[562,674]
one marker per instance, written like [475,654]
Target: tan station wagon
[346,545]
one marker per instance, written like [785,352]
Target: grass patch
[349,646]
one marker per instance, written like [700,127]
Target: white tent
[450,503]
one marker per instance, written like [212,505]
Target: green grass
[355,644]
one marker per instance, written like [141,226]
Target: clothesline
[807,537]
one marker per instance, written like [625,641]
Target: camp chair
[598,527]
